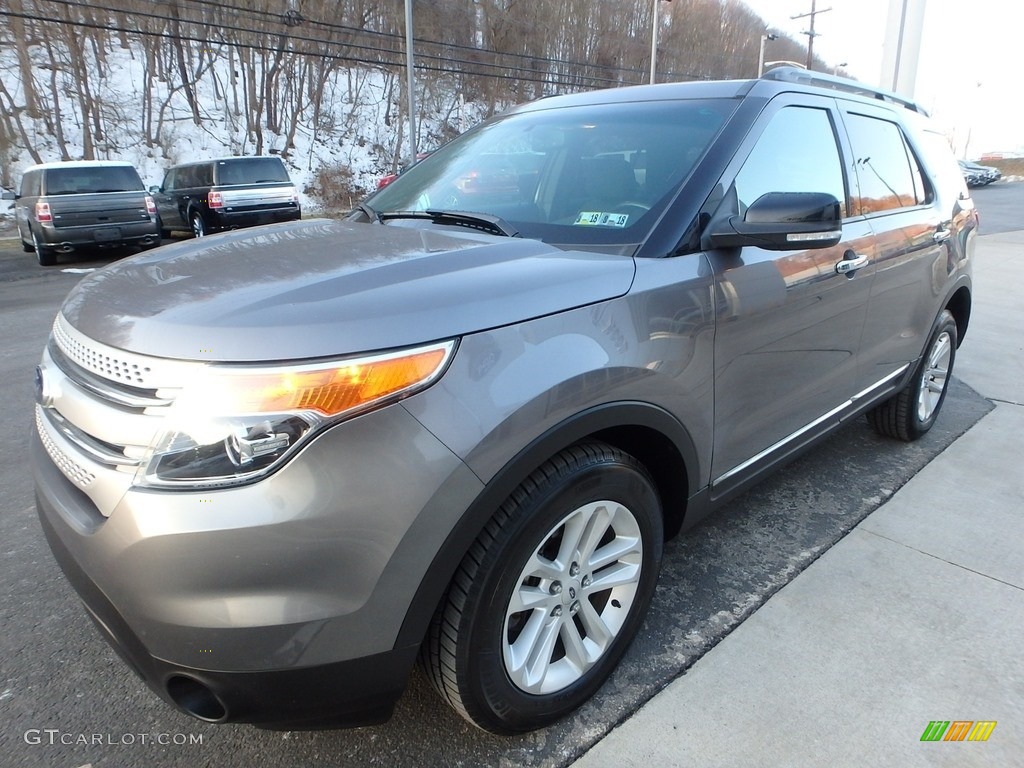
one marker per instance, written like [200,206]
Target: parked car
[72,206]
[977,175]
[280,467]
[383,181]
[226,193]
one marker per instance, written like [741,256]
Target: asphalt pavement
[902,645]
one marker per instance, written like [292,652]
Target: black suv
[69,206]
[227,193]
[282,465]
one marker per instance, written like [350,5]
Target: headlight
[233,424]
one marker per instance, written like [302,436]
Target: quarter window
[796,153]
[889,175]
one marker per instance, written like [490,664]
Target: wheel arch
[647,432]
[959,305]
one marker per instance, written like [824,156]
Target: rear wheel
[912,411]
[197,224]
[551,594]
[45,256]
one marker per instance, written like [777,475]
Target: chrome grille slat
[98,451]
[102,408]
[118,366]
[71,469]
[113,392]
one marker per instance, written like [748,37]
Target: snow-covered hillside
[359,127]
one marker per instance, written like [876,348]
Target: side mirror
[154,189]
[782,221]
[8,195]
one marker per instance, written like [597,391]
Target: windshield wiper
[482,221]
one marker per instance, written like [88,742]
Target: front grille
[104,409]
[111,366]
[72,470]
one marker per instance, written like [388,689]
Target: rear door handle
[851,263]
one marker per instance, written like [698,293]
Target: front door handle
[942,235]
[851,263]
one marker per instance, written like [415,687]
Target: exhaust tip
[196,699]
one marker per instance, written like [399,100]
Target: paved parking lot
[65,699]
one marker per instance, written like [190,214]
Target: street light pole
[409,81]
[760,54]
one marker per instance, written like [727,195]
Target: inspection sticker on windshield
[599,219]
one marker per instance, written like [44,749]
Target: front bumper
[282,600]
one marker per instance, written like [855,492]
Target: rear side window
[84,180]
[191,176]
[30,184]
[251,170]
[889,175]
[796,153]
[938,156]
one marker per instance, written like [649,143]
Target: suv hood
[324,289]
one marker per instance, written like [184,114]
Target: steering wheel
[632,206]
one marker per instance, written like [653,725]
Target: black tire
[27,247]
[45,256]
[197,225]
[470,654]
[912,411]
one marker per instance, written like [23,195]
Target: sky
[969,74]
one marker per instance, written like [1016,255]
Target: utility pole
[654,36]
[811,34]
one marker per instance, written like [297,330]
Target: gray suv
[80,205]
[280,465]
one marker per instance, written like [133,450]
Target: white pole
[409,81]
[760,55]
[654,37]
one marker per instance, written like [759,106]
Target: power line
[575,81]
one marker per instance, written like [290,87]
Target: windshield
[86,179]
[598,174]
[251,170]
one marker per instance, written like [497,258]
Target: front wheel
[552,592]
[913,410]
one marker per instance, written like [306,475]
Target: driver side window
[796,153]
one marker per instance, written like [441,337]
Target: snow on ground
[358,128]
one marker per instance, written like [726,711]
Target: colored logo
[958,730]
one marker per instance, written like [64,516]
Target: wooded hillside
[97,79]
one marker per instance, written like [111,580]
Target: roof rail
[806,77]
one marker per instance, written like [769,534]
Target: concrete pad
[991,360]
[846,666]
[967,506]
